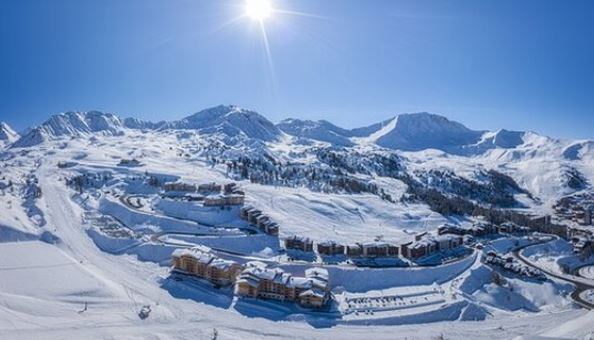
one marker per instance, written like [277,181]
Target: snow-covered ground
[62,276]
[587,272]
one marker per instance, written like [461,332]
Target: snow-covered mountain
[66,183]
[537,163]
[405,132]
[321,130]
[7,134]
[408,132]
[229,120]
[420,131]
[72,124]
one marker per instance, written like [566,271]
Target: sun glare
[258,9]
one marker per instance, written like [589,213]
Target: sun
[258,9]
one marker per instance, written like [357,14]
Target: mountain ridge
[405,132]
[7,134]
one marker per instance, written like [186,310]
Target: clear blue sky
[488,64]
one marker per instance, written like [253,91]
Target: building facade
[260,282]
[199,262]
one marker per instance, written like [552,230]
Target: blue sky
[488,64]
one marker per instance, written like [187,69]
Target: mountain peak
[406,132]
[72,123]
[7,134]
[230,120]
[419,131]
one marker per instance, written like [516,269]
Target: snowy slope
[44,286]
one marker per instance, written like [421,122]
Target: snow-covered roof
[299,238]
[328,243]
[446,238]
[299,282]
[257,264]
[422,244]
[314,292]
[258,272]
[317,272]
[249,208]
[194,251]
[376,244]
[222,264]
[249,280]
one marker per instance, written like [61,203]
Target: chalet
[192,261]
[179,187]
[262,220]
[448,241]
[379,249]
[256,217]
[199,262]
[210,187]
[330,248]
[244,211]
[222,272]
[253,216]
[249,214]
[582,246]
[354,250]
[507,227]
[234,199]
[420,236]
[418,249]
[318,293]
[299,243]
[477,229]
[582,239]
[223,200]
[230,188]
[259,281]
[271,228]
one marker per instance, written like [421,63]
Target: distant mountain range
[405,132]
[427,148]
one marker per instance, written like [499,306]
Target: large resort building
[219,200]
[259,281]
[256,280]
[179,187]
[199,262]
[428,246]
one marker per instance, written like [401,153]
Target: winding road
[580,286]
